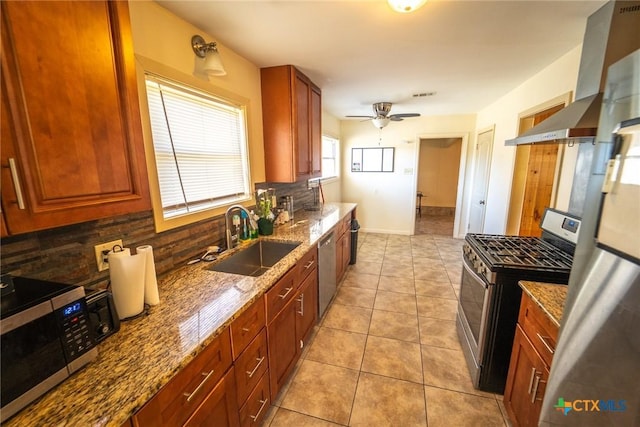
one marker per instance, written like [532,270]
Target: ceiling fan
[382,117]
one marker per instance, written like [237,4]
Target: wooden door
[307,307]
[219,408]
[540,179]
[525,382]
[283,346]
[316,131]
[71,102]
[301,137]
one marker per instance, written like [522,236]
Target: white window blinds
[200,148]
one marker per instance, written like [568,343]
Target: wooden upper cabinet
[292,124]
[70,114]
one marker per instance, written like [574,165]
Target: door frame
[461,174]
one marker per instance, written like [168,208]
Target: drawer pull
[546,344]
[260,360]
[192,394]
[533,374]
[535,389]
[309,264]
[245,329]
[16,183]
[283,296]
[301,301]
[264,403]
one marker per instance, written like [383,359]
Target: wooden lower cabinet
[343,246]
[531,356]
[254,410]
[219,408]
[289,329]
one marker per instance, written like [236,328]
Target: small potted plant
[264,213]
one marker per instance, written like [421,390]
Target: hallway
[386,353]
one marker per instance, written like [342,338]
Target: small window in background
[200,146]
[330,167]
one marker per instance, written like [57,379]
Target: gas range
[491,254]
[490,296]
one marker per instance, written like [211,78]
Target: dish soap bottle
[244,234]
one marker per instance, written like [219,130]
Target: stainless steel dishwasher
[326,272]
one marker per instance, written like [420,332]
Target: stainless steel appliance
[103,316]
[45,338]
[594,373]
[326,272]
[490,296]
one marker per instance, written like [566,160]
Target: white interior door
[480,181]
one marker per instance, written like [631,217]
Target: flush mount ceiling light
[406,6]
[212,62]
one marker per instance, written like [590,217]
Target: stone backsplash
[66,254]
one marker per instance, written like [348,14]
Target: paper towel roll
[150,282]
[127,282]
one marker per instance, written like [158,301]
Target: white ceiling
[360,52]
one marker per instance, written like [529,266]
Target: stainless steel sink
[256,259]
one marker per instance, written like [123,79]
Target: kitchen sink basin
[256,259]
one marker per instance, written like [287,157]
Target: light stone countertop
[195,306]
[550,297]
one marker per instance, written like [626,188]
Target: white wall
[386,201]
[558,78]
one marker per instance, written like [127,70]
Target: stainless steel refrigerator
[595,373]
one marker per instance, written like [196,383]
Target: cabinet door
[315,126]
[525,383]
[250,366]
[219,408]
[72,104]
[307,311]
[283,346]
[302,123]
[339,257]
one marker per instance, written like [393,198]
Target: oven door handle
[467,266]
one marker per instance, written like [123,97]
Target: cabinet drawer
[246,327]
[307,264]
[542,332]
[257,405]
[180,397]
[280,294]
[250,366]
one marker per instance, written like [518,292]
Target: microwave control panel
[77,338]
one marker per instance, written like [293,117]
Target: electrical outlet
[101,258]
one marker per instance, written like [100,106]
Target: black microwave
[46,337]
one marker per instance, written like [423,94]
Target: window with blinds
[330,165]
[200,146]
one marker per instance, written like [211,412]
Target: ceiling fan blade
[361,117]
[403,115]
[395,118]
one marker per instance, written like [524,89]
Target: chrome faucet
[234,239]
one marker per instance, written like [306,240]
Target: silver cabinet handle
[283,296]
[194,392]
[264,403]
[252,373]
[535,388]
[309,264]
[16,182]
[533,374]
[245,329]
[301,301]
[546,344]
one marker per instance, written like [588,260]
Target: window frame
[149,67]
[336,159]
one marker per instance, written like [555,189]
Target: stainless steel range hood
[612,32]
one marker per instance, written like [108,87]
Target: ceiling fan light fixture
[406,6]
[380,122]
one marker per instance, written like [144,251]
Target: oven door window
[30,354]
[472,296]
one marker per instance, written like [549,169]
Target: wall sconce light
[212,62]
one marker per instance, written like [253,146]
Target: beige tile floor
[386,352]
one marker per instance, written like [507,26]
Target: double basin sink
[256,259]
